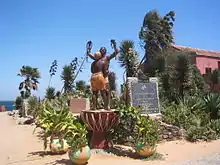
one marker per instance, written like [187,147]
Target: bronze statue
[100,71]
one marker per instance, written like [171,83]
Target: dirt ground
[19,146]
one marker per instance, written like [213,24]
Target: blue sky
[36,32]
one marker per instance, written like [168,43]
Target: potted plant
[79,151]
[147,137]
[55,118]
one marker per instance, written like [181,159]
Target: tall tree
[68,76]
[128,58]
[30,82]
[156,34]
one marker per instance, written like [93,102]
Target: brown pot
[58,145]
[80,156]
[146,151]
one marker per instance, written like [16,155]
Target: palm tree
[50,93]
[31,76]
[67,77]
[128,58]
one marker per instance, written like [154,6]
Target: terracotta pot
[58,145]
[80,156]
[146,151]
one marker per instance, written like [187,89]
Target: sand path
[19,146]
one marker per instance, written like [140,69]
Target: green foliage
[148,134]
[76,135]
[212,78]
[82,90]
[156,33]
[33,107]
[198,115]
[128,58]
[180,78]
[68,76]
[31,76]
[126,130]
[212,102]
[55,118]
[18,103]
[50,93]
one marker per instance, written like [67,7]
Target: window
[208,70]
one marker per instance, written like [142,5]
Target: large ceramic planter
[145,151]
[80,156]
[58,146]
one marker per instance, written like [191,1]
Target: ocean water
[9,105]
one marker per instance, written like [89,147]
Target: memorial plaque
[146,96]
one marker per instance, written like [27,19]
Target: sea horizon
[9,104]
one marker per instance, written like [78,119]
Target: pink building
[205,60]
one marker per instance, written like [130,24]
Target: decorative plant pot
[80,156]
[58,145]
[145,151]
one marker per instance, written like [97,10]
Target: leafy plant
[126,130]
[76,135]
[212,103]
[33,106]
[18,102]
[55,118]
[148,134]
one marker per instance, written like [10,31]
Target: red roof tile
[199,52]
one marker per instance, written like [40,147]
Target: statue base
[100,122]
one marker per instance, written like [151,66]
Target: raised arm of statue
[90,55]
[113,54]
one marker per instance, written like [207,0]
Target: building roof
[199,52]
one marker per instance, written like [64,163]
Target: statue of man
[100,67]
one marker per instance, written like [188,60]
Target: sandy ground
[19,146]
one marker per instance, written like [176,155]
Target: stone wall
[170,132]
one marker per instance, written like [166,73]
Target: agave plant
[212,105]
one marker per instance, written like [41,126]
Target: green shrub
[18,103]
[212,105]
[148,134]
[197,115]
[126,130]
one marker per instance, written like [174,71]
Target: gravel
[213,159]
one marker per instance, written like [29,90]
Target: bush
[126,130]
[199,116]
[18,103]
